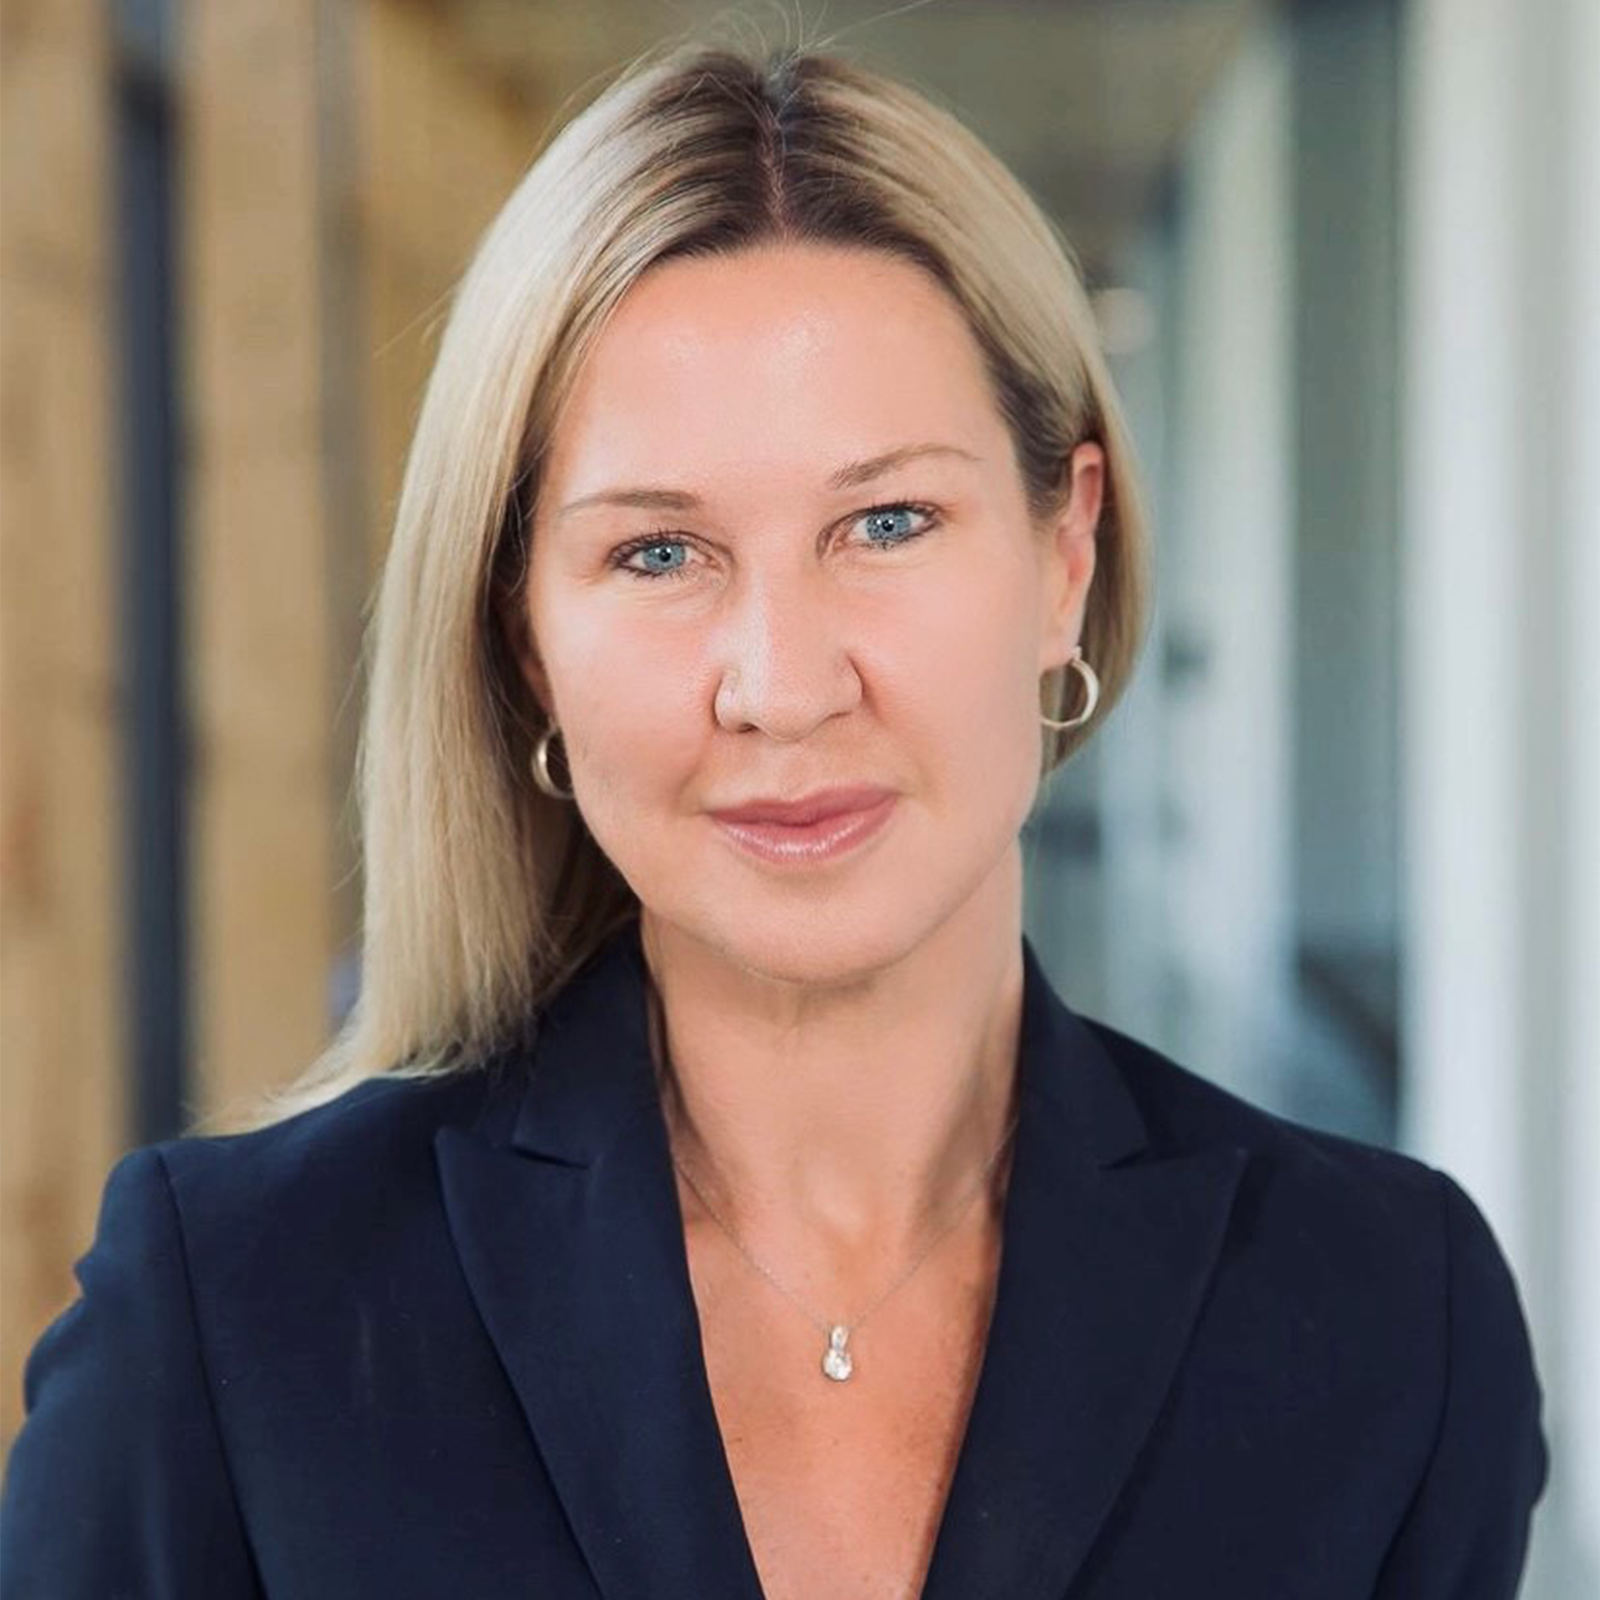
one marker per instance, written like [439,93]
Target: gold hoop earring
[1091,685]
[540,765]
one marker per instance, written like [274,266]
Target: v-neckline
[947,1468]
[565,1215]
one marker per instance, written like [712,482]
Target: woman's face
[782,546]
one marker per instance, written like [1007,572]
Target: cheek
[971,655]
[628,700]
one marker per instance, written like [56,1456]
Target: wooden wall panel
[342,162]
[264,791]
[444,143]
[62,1103]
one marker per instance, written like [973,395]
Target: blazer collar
[563,1209]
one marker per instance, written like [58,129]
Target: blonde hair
[482,894]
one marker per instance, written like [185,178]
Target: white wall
[1502,700]
[1493,568]
[1225,575]
[1577,1305]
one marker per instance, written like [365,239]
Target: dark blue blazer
[439,1339]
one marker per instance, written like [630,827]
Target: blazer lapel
[563,1208]
[571,1238]
[1105,1260]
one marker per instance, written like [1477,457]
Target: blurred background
[1339,849]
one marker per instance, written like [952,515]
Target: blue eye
[885,516]
[888,533]
[655,545]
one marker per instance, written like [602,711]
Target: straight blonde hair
[483,895]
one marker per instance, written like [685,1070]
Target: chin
[828,928]
[829,942]
[801,942]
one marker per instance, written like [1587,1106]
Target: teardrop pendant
[836,1362]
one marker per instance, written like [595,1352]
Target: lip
[822,838]
[814,807]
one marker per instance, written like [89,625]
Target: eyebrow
[850,476]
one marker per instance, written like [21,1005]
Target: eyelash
[659,536]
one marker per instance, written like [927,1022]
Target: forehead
[781,359]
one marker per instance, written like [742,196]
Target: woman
[710,1196]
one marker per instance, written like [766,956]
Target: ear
[511,617]
[1068,556]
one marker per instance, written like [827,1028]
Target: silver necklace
[837,1362]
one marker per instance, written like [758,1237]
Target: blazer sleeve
[1465,1534]
[116,1484]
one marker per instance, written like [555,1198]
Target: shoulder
[387,1112]
[1370,1216]
[209,1253]
[1183,1110]
[1384,1232]
[1392,1249]
[221,1237]
[1358,1282]
[378,1132]
[368,1151]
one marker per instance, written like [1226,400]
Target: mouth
[820,837]
[814,807]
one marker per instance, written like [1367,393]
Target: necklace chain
[849,1327]
[837,1362]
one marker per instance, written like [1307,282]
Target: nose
[785,662]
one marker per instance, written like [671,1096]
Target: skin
[843,1036]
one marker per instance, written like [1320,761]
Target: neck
[850,1117]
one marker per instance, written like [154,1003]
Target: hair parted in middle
[482,895]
